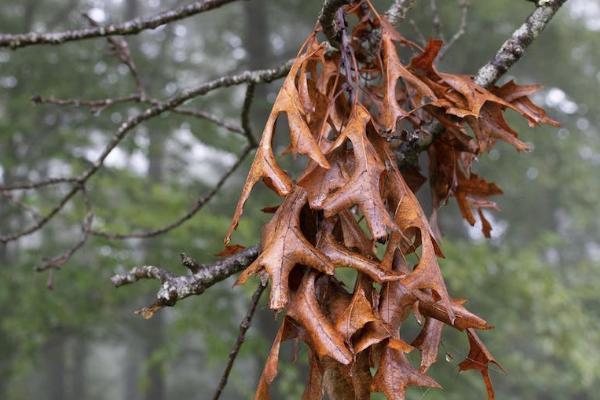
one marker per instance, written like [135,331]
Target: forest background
[536,279]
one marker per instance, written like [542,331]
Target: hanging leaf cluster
[349,110]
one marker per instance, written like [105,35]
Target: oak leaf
[283,246]
[395,374]
[479,359]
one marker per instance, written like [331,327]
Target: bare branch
[436,20]
[139,273]
[99,105]
[462,27]
[420,35]
[12,199]
[246,115]
[38,184]
[327,19]
[244,325]
[397,12]
[230,126]
[120,50]
[190,263]
[513,49]
[96,106]
[131,27]
[175,288]
[60,260]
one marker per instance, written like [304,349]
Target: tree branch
[514,48]
[327,19]
[131,27]
[175,288]
[397,12]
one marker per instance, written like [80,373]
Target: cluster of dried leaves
[354,208]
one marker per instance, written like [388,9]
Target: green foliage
[542,269]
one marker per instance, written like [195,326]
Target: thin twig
[397,12]
[421,37]
[201,114]
[37,185]
[176,288]
[244,325]
[245,116]
[462,28]
[99,105]
[436,20]
[12,199]
[131,27]
[96,105]
[197,206]
[120,50]
[60,260]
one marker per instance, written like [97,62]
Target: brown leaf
[395,374]
[320,182]
[283,245]
[394,70]
[363,187]
[474,95]
[357,314]
[422,64]
[517,95]
[314,386]
[340,256]
[464,319]
[323,337]
[263,167]
[353,235]
[302,141]
[479,359]
[491,126]
[230,250]
[428,342]
[286,331]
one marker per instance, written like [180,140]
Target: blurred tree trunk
[54,366]
[154,335]
[152,331]
[78,371]
[258,49]
[28,15]
[131,370]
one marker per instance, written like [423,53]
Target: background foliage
[536,279]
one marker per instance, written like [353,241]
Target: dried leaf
[230,250]
[479,359]
[395,374]
[324,339]
[363,187]
[428,342]
[283,246]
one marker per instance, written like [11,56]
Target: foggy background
[536,280]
